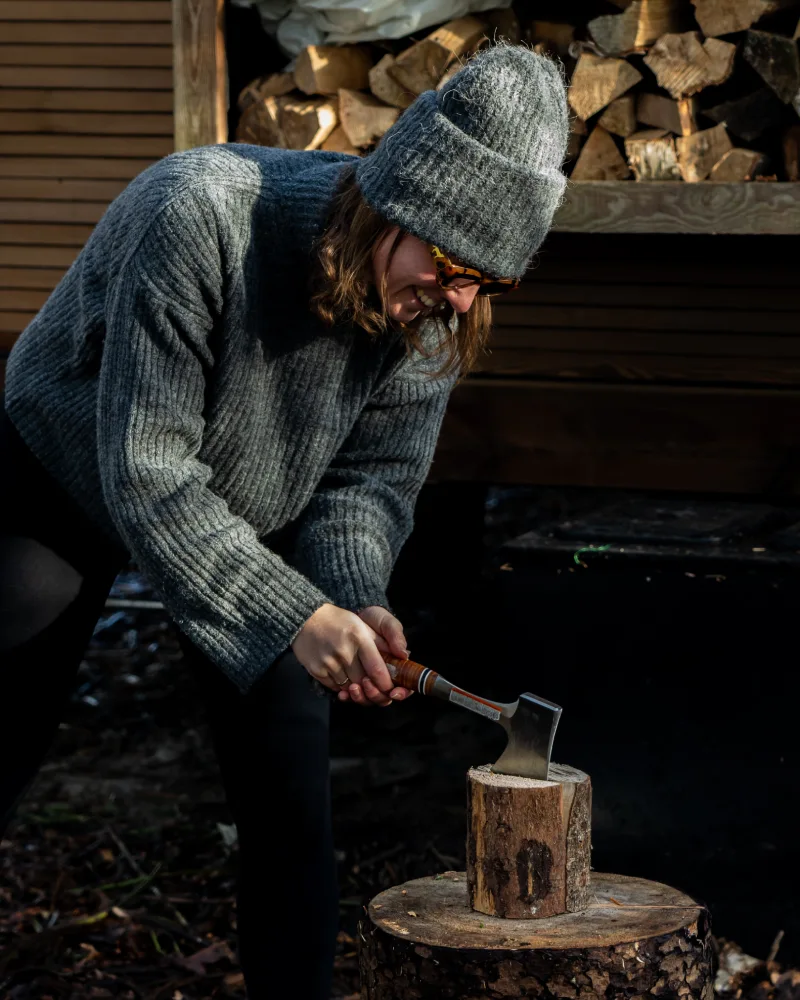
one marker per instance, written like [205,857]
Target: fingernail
[406,653]
[396,695]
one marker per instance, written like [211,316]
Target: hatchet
[530,721]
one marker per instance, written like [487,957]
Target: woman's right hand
[338,649]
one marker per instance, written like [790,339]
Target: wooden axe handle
[412,675]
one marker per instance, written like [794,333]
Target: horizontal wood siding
[664,362]
[86,104]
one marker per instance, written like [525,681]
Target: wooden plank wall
[86,103]
[658,361]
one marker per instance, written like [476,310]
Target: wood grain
[85,10]
[37,256]
[44,234]
[24,299]
[98,167]
[86,55]
[86,100]
[91,77]
[200,73]
[85,123]
[677,207]
[630,436]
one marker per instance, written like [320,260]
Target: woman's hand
[339,650]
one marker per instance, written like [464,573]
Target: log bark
[721,17]
[620,116]
[363,117]
[553,36]
[636,939]
[737,165]
[747,117]
[684,65]
[687,115]
[327,69]
[791,153]
[600,160]
[641,24]
[658,112]
[596,82]
[698,153]
[288,122]
[272,85]
[652,156]
[384,86]
[528,842]
[421,66]
[777,61]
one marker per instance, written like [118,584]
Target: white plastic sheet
[298,23]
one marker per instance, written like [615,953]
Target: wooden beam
[621,436]
[142,101]
[86,55]
[86,10]
[666,207]
[85,123]
[90,77]
[85,145]
[201,87]
[81,33]
[98,168]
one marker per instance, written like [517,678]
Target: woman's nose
[461,298]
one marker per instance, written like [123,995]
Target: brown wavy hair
[343,290]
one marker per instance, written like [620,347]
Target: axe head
[531,727]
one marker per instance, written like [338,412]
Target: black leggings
[55,574]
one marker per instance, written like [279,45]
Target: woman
[258,449]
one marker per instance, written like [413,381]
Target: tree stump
[636,939]
[528,842]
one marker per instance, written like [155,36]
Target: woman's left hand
[390,639]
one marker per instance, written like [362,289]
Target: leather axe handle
[407,673]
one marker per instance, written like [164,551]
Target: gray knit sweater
[178,387]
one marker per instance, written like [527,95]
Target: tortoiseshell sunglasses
[448,274]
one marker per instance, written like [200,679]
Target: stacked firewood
[676,90]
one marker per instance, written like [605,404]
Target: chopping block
[529,918]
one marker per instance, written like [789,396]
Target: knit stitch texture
[178,387]
[477,166]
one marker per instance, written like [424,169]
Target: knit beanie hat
[476,167]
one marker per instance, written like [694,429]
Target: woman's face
[411,287]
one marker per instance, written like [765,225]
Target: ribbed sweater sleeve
[233,597]
[362,512]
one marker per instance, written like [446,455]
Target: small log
[776,60]
[259,124]
[637,939]
[596,82]
[652,156]
[620,116]
[384,86]
[448,74]
[747,117]
[306,124]
[577,133]
[337,142]
[721,17]
[553,36]
[272,85]
[737,165]
[420,67]
[697,153]
[600,160]
[502,24]
[659,112]
[791,153]
[528,842]
[363,117]
[683,65]
[641,24]
[687,115]
[327,69]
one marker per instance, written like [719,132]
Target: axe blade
[531,729]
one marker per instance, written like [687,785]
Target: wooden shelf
[757,207]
